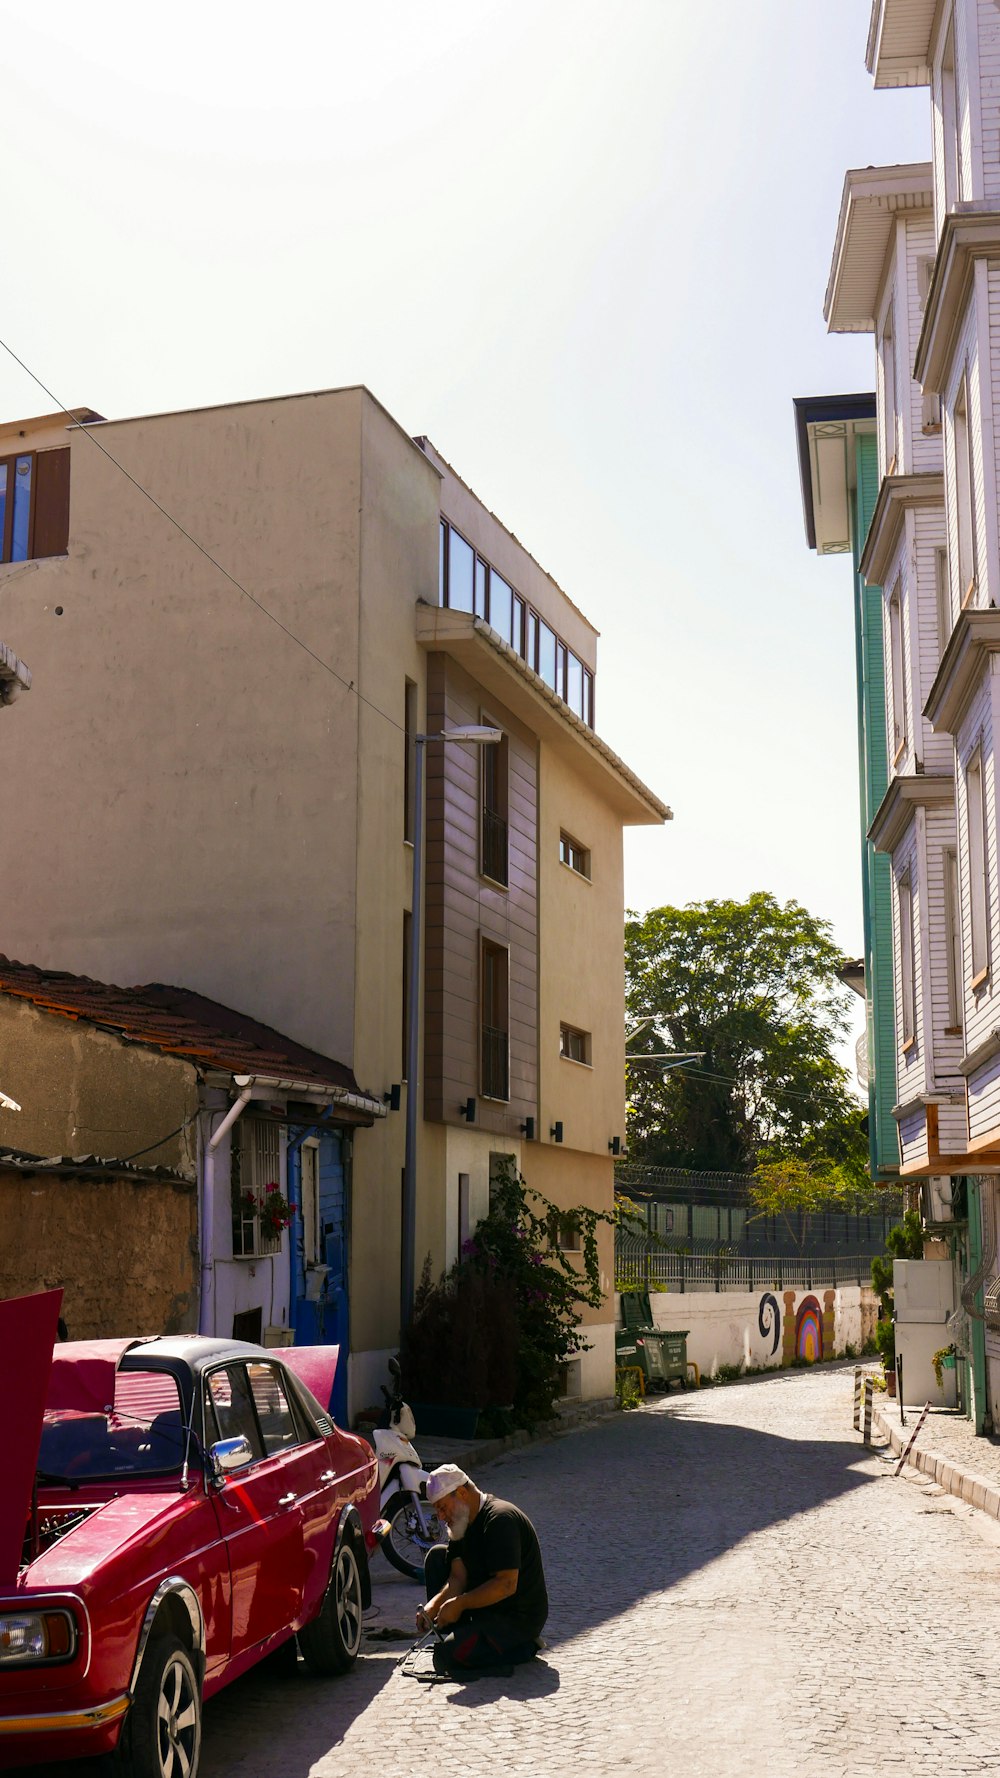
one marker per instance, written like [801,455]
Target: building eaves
[498,666]
[813,412]
[919,790]
[970,234]
[873,198]
[434,456]
[899,42]
[898,495]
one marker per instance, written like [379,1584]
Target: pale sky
[583,246]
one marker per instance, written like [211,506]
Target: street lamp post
[478,736]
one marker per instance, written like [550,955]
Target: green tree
[755,986]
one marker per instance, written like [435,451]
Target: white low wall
[766,1328]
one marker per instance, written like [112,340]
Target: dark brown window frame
[525,619]
[494,1024]
[49,472]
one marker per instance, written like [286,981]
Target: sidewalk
[471,1453]
[948,1451]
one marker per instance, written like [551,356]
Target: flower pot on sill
[948,1362]
[437,1421]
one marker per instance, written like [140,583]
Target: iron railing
[640,1266]
[495,1067]
[494,847]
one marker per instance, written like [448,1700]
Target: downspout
[206,1317]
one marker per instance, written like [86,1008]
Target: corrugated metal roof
[89,1166]
[177,1022]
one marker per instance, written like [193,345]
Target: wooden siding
[980,1009]
[967,356]
[927,534]
[910,1074]
[988,22]
[925,452]
[462,909]
[948,1043]
[876,867]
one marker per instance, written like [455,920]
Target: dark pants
[487,1638]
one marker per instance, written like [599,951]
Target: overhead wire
[78,426]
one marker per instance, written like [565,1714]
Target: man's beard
[459,1525]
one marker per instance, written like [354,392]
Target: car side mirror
[229,1455]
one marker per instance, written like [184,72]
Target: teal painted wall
[873,773]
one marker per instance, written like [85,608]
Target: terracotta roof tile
[176,1021]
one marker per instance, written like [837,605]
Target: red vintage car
[172,1510]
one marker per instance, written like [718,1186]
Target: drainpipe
[236,1110]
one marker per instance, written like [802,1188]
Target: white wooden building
[917,265]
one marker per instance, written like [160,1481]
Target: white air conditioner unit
[937,1198]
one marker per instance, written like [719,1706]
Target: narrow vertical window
[888,360]
[461,572]
[531,640]
[517,630]
[953,926]
[409,760]
[547,654]
[942,593]
[310,1202]
[494,1058]
[961,453]
[501,605]
[907,970]
[898,683]
[493,839]
[442,563]
[479,599]
[978,888]
[21,531]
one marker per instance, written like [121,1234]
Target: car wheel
[162,1733]
[332,1642]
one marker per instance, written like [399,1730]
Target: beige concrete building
[230,806]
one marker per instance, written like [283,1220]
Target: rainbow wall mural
[809,1330]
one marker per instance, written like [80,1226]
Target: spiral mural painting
[769,1320]
[809,1330]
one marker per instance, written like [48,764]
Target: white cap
[444,1480]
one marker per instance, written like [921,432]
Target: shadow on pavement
[534,1680]
[653,1497]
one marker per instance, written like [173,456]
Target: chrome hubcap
[176,1722]
[349,1600]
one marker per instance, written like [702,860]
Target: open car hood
[28,1329]
[316,1367]
[83,1375]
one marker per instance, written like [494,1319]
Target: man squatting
[486,1585]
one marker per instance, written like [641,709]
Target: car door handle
[288,1500]
[329,1475]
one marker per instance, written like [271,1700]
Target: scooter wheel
[404,1543]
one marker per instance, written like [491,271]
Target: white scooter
[409,1527]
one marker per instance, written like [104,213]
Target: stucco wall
[83,1091]
[125,1254]
[227,862]
[763,1328]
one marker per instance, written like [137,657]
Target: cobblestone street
[737,1589]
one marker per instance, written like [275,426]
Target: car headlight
[27,1637]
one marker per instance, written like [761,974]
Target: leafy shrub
[628,1392]
[495,1330]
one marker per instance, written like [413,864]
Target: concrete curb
[973,1489]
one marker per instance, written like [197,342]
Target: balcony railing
[494,847]
[495,1075]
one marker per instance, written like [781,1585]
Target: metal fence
[639,1266]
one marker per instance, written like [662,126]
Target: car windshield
[143,1434]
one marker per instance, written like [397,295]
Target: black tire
[162,1733]
[403,1545]
[332,1642]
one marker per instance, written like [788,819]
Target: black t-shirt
[501,1536]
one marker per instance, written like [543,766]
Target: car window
[228,1399]
[271,1401]
[143,1433]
